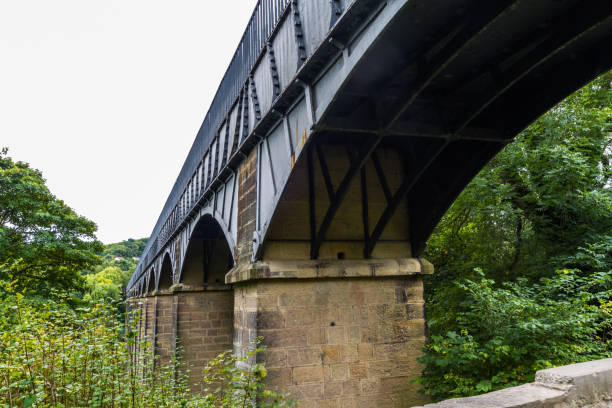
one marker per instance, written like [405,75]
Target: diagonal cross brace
[365,152]
[409,181]
[325,171]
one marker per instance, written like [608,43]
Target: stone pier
[192,323]
[205,320]
[343,333]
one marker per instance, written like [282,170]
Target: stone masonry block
[349,353]
[302,317]
[331,354]
[306,392]
[270,319]
[316,336]
[274,358]
[358,370]
[284,337]
[279,376]
[332,389]
[308,374]
[336,335]
[303,356]
[350,387]
[339,372]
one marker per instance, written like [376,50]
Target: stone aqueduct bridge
[340,134]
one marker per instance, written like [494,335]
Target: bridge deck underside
[450,84]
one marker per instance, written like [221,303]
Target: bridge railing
[264,20]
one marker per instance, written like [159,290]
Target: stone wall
[139,318]
[130,307]
[204,330]
[344,333]
[196,324]
[164,345]
[336,342]
[247,207]
[570,386]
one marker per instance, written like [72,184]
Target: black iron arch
[208,256]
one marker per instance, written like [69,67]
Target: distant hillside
[108,280]
[123,255]
[131,248]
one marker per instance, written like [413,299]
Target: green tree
[108,280]
[109,283]
[506,333]
[130,248]
[539,202]
[495,305]
[44,244]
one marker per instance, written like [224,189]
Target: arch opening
[151,281]
[205,304]
[208,257]
[165,277]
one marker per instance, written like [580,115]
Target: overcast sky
[105,97]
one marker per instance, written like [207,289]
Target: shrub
[54,356]
[498,337]
[227,385]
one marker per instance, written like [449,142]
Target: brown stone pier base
[192,323]
[204,319]
[342,333]
[164,340]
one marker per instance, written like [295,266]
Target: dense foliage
[55,356]
[109,279]
[46,247]
[129,249]
[503,334]
[44,244]
[524,256]
[62,340]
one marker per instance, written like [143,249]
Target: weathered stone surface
[570,386]
[528,395]
[336,341]
[247,207]
[342,339]
[308,269]
[589,381]
[195,323]
[164,341]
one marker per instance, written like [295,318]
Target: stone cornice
[318,269]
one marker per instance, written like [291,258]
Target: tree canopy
[44,244]
[108,280]
[524,256]
[543,203]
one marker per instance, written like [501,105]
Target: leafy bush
[108,283]
[500,336]
[54,356]
[543,203]
[228,385]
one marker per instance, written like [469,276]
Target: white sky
[105,97]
